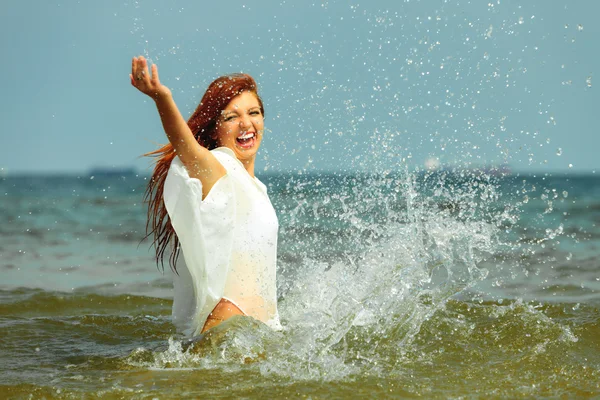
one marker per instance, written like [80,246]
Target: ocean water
[444,284]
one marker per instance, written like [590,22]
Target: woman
[204,198]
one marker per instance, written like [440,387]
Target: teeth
[246,136]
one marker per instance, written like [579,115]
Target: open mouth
[246,140]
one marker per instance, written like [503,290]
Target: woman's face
[240,126]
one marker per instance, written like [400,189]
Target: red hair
[203,124]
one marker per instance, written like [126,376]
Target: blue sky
[376,85]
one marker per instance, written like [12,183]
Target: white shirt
[228,241]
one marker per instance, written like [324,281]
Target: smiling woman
[204,199]
[241,128]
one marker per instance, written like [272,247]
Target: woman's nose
[245,122]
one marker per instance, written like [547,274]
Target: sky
[381,85]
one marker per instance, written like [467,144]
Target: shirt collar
[229,152]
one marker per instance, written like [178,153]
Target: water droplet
[579,27]
[570,165]
[559,151]
[588,81]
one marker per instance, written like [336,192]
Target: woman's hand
[145,82]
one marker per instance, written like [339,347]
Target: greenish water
[434,286]
[86,345]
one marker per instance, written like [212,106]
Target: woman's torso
[250,282]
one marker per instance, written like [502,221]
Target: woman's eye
[255,113]
[228,118]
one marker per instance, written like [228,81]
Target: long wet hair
[203,124]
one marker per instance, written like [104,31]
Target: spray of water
[366,259]
[409,242]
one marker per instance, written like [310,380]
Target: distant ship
[433,164]
[102,172]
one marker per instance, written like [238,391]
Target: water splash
[379,307]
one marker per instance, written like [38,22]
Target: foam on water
[413,242]
[416,256]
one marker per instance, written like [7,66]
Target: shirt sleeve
[205,229]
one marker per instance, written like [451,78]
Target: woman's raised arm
[199,162]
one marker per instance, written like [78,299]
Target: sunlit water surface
[456,280]
[438,284]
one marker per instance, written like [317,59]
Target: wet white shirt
[228,242]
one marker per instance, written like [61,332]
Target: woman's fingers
[141,65]
[134,71]
[145,73]
[154,77]
[145,81]
[137,68]
[140,73]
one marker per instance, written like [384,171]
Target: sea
[447,283]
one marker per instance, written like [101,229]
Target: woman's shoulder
[224,153]
[228,159]
[234,167]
